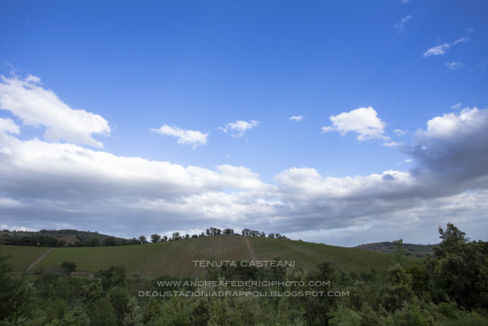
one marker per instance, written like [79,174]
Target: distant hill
[415,250]
[175,258]
[58,238]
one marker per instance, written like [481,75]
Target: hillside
[57,238]
[175,257]
[409,249]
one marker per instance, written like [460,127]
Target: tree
[176,236]
[452,240]
[68,267]
[399,249]
[459,269]
[113,276]
[142,239]
[228,232]
[164,239]
[155,238]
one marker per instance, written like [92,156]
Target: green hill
[175,258]
[58,238]
[409,249]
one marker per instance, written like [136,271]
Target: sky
[341,122]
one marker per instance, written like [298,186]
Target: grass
[167,258]
[21,257]
[175,258]
[307,255]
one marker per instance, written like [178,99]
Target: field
[175,258]
[21,257]
[308,254]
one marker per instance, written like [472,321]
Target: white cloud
[59,185]
[456,106]
[400,132]
[8,126]
[401,24]
[455,65]
[392,144]
[188,137]
[296,118]
[240,127]
[363,121]
[37,106]
[453,125]
[15,228]
[442,49]
[71,186]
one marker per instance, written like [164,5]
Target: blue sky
[199,65]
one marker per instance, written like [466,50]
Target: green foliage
[408,295]
[460,269]
[101,313]
[12,291]
[113,276]
[345,317]
[120,298]
[68,267]
[413,315]
[399,290]
[155,238]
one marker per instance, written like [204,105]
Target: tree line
[210,232]
[45,238]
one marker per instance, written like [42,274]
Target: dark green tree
[155,238]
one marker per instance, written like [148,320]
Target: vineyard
[21,257]
[176,258]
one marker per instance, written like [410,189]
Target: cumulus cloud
[60,185]
[188,137]
[71,186]
[296,118]
[401,24]
[239,127]
[442,49]
[455,65]
[363,121]
[400,132]
[8,126]
[37,106]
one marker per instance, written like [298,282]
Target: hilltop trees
[155,238]
[228,232]
[252,233]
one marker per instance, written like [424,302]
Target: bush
[68,267]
